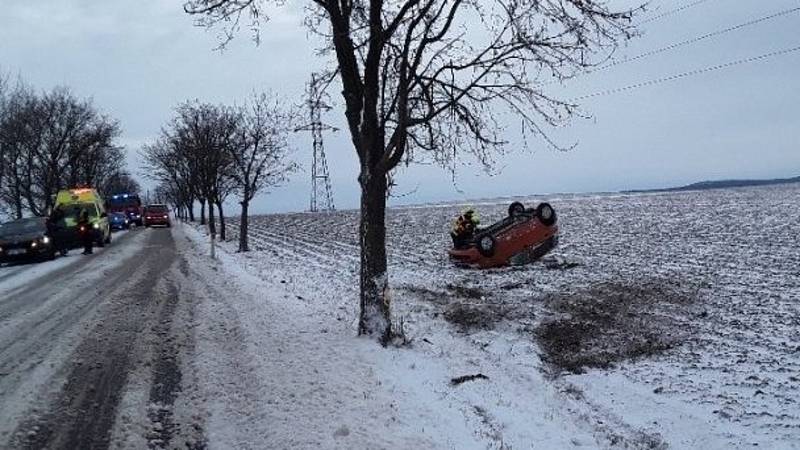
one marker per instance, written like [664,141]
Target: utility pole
[321,192]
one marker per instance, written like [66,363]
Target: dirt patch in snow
[469,308]
[612,322]
[471,316]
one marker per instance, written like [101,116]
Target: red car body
[525,235]
[156,215]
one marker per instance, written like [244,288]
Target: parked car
[157,215]
[71,202]
[25,239]
[525,235]
[119,221]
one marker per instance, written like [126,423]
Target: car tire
[546,214]
[516,209]
[486,245]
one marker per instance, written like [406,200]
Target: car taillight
[166,217]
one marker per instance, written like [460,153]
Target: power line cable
[686,74]
[672,11]
[696,39]
[684,43]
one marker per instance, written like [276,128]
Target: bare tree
[260,158]
[118,183]
[52,141]
[172,166]
[193,157]
[3,112]
[431,79]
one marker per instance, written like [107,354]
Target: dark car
[156,215]
[119,221]
[25,239]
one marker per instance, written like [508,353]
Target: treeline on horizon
[720,184]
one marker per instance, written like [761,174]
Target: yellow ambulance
[72,201]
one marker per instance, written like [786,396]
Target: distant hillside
[720,184]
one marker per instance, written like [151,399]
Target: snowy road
[71,333]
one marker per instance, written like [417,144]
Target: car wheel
[516,209]
[546,214]
[486,245]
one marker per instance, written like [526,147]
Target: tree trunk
[375,317]
[190,210]
[222,230]
[18,204]
[202,212]
[243,238]
[212,225]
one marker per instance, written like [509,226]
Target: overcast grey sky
[138,59]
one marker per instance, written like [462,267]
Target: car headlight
[166,217]
[46,240]
[34,244]
[96,226]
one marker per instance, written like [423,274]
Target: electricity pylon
[321,192]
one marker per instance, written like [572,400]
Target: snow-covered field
[679,326]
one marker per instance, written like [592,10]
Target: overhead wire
[684,43]
[696,39]
[686,74]
[672,11]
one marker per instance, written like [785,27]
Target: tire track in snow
[83,412]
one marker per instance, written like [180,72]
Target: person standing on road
[85,232]
[53,227]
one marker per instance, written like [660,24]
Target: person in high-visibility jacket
[464,228]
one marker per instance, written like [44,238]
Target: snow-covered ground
[680,326]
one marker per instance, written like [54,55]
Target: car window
[22,226]
[74,210]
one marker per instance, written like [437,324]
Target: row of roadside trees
[207,153]
[50,141]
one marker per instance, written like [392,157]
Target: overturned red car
[525,235]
